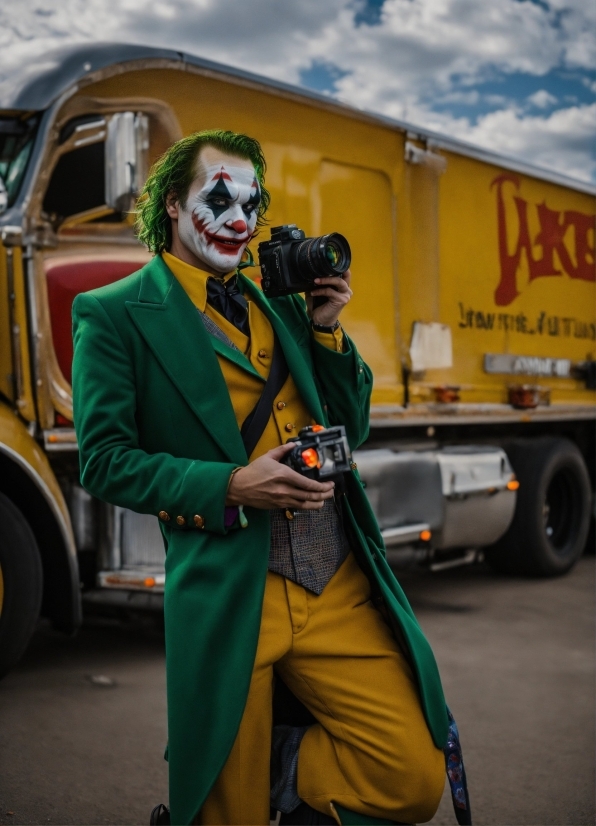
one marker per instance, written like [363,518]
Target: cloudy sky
[516,76]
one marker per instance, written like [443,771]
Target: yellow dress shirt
[289,413]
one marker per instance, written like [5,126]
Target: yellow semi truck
[474,304]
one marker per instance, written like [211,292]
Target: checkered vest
[308,548]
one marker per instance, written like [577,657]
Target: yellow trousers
[370,750]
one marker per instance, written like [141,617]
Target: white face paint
[220,216]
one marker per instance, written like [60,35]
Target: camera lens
[333,254]
[318,257]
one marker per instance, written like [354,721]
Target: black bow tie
[229,301]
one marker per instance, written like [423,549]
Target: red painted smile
[228,246]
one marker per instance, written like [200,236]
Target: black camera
[320,453]
[290,262]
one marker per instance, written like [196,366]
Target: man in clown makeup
[274,582]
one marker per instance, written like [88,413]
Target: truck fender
[27,479]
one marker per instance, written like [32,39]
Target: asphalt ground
[517,659]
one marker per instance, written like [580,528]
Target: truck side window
[16,143]
[77,184]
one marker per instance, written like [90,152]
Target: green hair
[174,173]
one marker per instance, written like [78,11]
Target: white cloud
[542,99]
[578,23]
[470,98]
[422,53]
[563,140]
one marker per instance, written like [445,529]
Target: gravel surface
[82,720]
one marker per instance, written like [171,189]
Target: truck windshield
[16,142]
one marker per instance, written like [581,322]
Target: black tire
[552,515]
[590,548]
[22,577]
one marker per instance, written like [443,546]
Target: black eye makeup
[226,191]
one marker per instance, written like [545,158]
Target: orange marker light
[149,582]
[310,457]
[316,428]
[425,535]
[513,485]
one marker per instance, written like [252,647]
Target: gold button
[198,520]
[262,354]
[180,520]
[353,465]
[280,405]
[289,514]
[164,516]
[289,427]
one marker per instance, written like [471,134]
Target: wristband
[321,328]
[236,469]
[233,512]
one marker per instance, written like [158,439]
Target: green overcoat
[157,432]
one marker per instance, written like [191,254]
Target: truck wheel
[591,540]
[552,515]
[21,584]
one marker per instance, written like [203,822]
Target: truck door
[359,203]
[83,210]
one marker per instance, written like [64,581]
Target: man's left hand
[336,289]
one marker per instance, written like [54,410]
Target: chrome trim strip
[35,337]
[403,534]
[133,580]
[135,600]
[510,364]
[115,549]
[60,438]
[414,416]
[467,559]
[15,330]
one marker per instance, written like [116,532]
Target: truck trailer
[474,305]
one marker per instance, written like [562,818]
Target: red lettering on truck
[578,263]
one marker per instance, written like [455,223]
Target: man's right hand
[266,484]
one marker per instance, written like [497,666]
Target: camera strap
[255,423]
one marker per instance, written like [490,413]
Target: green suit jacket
[157,431]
